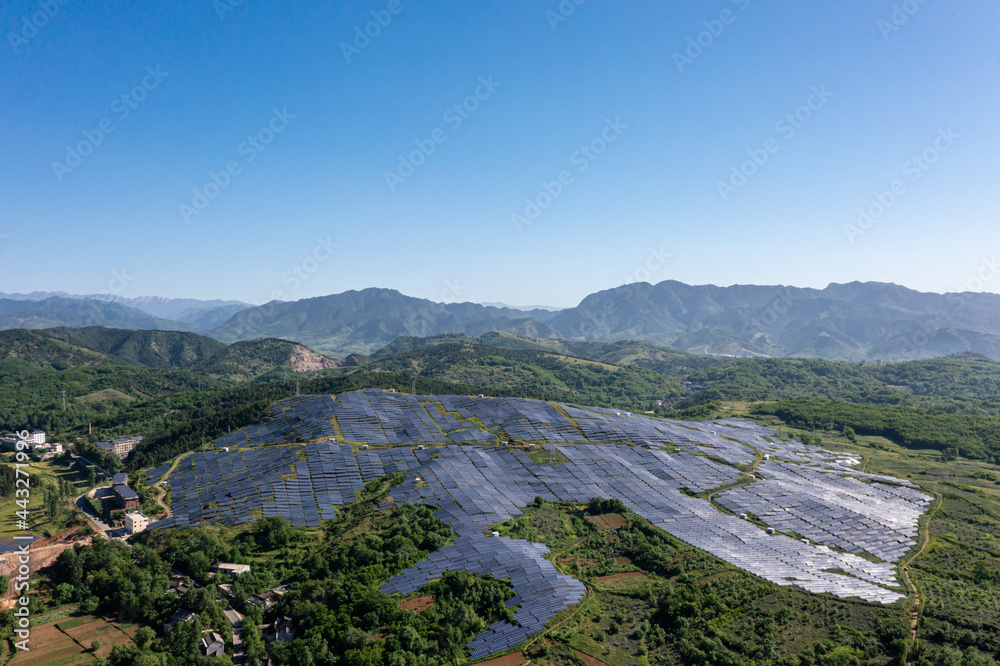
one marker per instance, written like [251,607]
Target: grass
[43,474]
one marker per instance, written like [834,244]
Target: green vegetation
[654,600]
[339,614]
[935,422]
[976,437]
[52,486]
[539,374]
[967,384]
[152,349]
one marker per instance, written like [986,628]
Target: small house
[180,615]
[212,645]
[230,569]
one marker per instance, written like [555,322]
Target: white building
[135,522]
[37,437]
[121,447]
[231,569]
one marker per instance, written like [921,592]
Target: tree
[253,642]
[144,637]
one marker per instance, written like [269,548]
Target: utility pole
[413,385]
[296,386]
[64,400]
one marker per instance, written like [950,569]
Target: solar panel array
[541,591]
[833,508]
[801,489]
[383,418]
[154,474]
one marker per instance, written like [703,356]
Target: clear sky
[593,144]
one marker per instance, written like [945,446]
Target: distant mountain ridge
[849,322]
[58,311]
[364,321]
[186,310]
[855,321]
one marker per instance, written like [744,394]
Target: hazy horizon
[500,304]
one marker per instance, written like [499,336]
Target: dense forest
[975,437]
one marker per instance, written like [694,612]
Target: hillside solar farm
[811,518]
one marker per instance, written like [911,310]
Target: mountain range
[855,321]
[201,314]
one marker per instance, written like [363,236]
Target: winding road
[163,490]
[904,569]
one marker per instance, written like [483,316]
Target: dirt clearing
[417,604]
[609,521]
[513,659]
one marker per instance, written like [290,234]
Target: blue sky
[650,115]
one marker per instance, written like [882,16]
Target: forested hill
[622,352]
[153,349]
[967,384]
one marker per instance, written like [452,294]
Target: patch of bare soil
[417,604]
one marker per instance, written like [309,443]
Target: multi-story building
[121,447]
[127,498]
[135,522]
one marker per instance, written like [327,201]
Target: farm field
[67,642]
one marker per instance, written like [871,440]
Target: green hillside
[963,384]
[33,347]
[266,359]
[538,374]
[622,352]
[153,349]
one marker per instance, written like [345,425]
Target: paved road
[100,526]
[236,620]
